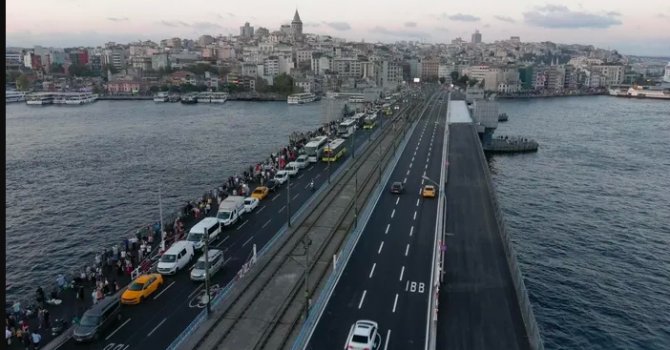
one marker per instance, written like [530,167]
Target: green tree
[283,84]
[164,88]
[80,70]
[57,68]
[442,80]
[472,82]
[261,85]
[12,75]
[154,89]
[174,89]
[22,83]
[454,76]
[187,88]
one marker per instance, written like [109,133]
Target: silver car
[215,264]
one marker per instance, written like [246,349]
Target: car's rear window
[359,339]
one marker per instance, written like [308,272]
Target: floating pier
[506,144]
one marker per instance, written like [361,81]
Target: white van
[176,258]
[292,169]
[197,233]
[281,176]
[215,258]
[230,210]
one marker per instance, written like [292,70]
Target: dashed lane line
[116,330]
[155,328]
[360,304]
[388,226]
[164,289]
[380,248]
[407,249]
[372,271]
[402,272]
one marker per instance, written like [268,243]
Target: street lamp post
[306,243]
[209,310]
[356,198]
[288,199]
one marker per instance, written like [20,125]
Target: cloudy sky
[632,27]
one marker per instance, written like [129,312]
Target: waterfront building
[611,74]
[666,76]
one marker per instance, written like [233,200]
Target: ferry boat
[301,98]
[174,98]
[40,98]
[161,97]
[189,99]
[356,99]
[218,97]
[641,92]
[14,96]
[80,98]
[205,97]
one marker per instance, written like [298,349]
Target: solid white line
[277,196]
[395,302]
[116,330]
[282,209]
[260,210]
[244,223]
[155,328]
[415,215]
[388,226]
[247,241]
[402,272]
[407,249]
[380,248]
[266,223]
[195,291]
[397,200]
[411,230]
[362,298]
[426,166]
[417,202]
[392,213]
[296,196]
[373,270]
[164,289]
[388,336]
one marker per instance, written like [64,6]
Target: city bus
[346,128]
[387,109]
[358,117]
[314,148]
[370,121]
[334,150]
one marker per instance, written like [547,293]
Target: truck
[230,210]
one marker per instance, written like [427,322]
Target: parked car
[96,320]
[281,176]
[176,258]
[250,203]
[292,169]
[215,257]
[272,185]
[259,193]
[397,187]
[301,162]
[363,335]
[141,288]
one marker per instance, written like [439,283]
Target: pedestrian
[27,340]
[36,338]
[94,296]
[46,318]
[80,293]
[8,335]
[40,318]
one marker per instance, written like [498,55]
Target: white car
[363,335]
[291,168]
[281,176]
[250,203]
[301,162]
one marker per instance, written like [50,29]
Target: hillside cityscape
[288,60]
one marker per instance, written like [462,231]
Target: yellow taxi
[260,192]
[141,288]
[428,191]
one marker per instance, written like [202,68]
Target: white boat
[218,97]
[161,97]
[14,96]
[40,98]
[301,98]
[205,97]
[356,99]
[80,98]
[640,92]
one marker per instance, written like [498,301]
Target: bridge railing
[529,320]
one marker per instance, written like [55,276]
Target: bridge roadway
[159,320]
[387,278]
[478,305]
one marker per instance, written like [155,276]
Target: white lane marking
[360,304]
[388,336]
[164,289]
[380,248]
[407,285]
[411,230]
[223,240]
[310,168]
[417,202]
[296,196]
[402,272]
[195,291]
[266,223]
[282,209]
[247,241]
[412,158]
[307,186]
[277,196]
[244,223]
[426,166]
[395,302]
[388,226]
[116,330]
[373,270]
[300,176]
[404,181]
[419,191]
[408,170]
[415,215]
[260,210]
[317,176]
[392,213]
[155,328]
[397,200]
[407,249]
[422,181]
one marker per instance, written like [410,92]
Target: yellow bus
[334,150]
[370,121]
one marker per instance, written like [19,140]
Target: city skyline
[624,27]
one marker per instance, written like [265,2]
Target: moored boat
[301,98]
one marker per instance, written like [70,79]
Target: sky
[631,27]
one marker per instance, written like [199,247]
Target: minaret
[296,26]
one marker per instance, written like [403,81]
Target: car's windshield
[135,286]
[200,265]
[223,215]
[195,237]
[89,321]
[168,258]
[249,201]
[259,191]
[359,339]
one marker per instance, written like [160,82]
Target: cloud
[613,13]
[463,18]
[442,29]
[311,24]
[559,16]
[174,23]
[117,19]
[505,19]
[410,24]
[338,25]
[205,25]
[399,33]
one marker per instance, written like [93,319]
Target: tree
[261,85]
[57,68]
[154,89]
[472,82]
[442,80]
[22,83]
[12,75]
[174,89]
[454,75]
[283,84]
[164,88]
[80,70]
